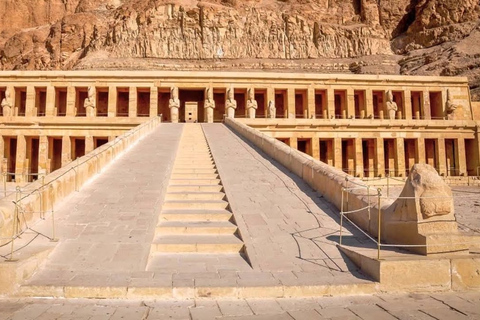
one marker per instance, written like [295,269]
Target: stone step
[198,263]
[196,215]
[194,188]
[196,204]
[195,176]
[195,227]
[194,163]
[195,196]
[195,170]
[195,181]
[197,243]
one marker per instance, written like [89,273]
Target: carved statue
[89,102]
[230,103]
[209,105]
[451,108]
[391,105]
[7,104]
[252,104]
[174,104]
[272,111]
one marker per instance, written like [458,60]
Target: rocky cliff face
[363,36]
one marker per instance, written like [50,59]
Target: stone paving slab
[286,225]
[106,229]
[446,306]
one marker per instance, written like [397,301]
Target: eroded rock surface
[425,37]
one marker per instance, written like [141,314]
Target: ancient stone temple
[368,126]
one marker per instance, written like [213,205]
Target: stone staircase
[196,223]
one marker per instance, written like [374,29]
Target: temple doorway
[188,96]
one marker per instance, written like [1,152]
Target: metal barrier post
[341,217]
[14,226]
[388,185]
[379,245]
[368,199]
[346,188]
[4,184]
[53,222]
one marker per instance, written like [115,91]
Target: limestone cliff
[362,36]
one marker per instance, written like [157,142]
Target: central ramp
[196,230]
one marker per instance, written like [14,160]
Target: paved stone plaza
[416,306]
[290,232]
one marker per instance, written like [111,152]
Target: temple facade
[367,125]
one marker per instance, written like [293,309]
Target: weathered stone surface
[94,33]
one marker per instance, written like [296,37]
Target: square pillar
[420,150]
[71,96]
[43,155]
[66,150]
[50,104]
[153,102]
[337,152]
[112,101]
[400,157]
[89,144]
[290,103]
[441,157]
[30,110]
[461,157]
[379,157]
[350,104]
[369,103]
[294,142]
[311,103]
[315,143]
[21,163]
[427,114]
[407,103]
[331,106]
[358,158]
[132,102]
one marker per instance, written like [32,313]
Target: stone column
[407,103]
[369,103]
[112,101]
[132,102]
[400,157]
[294,142]
[43,155]
[461,157]
[89,144]
[290,107]
[311,103]
[441,157]
[427,114]
[30,110]
[71,96]
[66,150]
[315,143]
[358,158]
[153,102]
[20,167]
[331,103]
[379,157]
[50,102]
[420,150]
[337,152]
[350,103]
